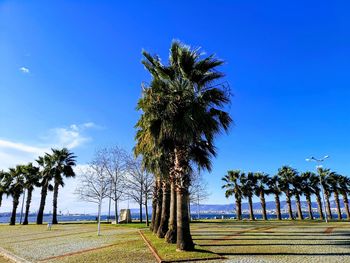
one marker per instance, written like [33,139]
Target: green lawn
[75,243]
[272,241]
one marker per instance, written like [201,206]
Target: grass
[275,241]
[5,260]
[75,243]
[168,252]
[271,241]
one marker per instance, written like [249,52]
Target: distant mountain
[270,205]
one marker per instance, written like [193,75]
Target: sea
[5,218]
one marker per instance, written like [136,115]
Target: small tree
[94,187]
[198,190]
[138,183]
[114,160]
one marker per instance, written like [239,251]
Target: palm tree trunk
[239,208]
[164,222]
[54,201]
[346,204]
[170,236]
[251,212]
[289,203]
[336,198]
[14,209]
[278,207]
[184,239]
[308,200]
[1,198]
[39,219]
[23,198]
[328,206]
[189,207]
[159,207]
[300,214]
[154,208]
[29,200]
[319,205]
[263,205]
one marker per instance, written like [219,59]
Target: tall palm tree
[344,189]
[307,189]
[189,112]
[274,188]
[325,175]
[15,188]
[232,184]
[260,189]
[248,184]
[334,180]
[32,179]
[298,191]
[287,175]
[3,184]
[46,164]
[316,188]
[63,162]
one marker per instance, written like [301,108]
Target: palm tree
[248,184]
[232,184]
[334,184]
[63,162]
[344,188]
[297,190]
[46,172]
[15,188]
[260,189]
[274,188]
[287,175]
[325,175]
[307,189]
[315,185]
[3,184]
[32,179]
[188,112]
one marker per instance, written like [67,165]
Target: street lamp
[318,161]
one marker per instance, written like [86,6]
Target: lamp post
[319,161]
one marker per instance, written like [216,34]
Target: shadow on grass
[283,254]
[271,239]
[269,234]
[275,244]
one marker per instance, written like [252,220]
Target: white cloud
[24,70]
[72,136]
[20,147]
[13,153]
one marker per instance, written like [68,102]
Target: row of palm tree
[49,175]
[182,111]
[292,184]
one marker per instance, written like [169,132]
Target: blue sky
[70,74]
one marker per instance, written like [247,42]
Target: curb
[160,260]
[13,257]
[153,250]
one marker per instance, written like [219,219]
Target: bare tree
[147,190]
[94,186]
[138,184]
[198,190]
[114,160]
